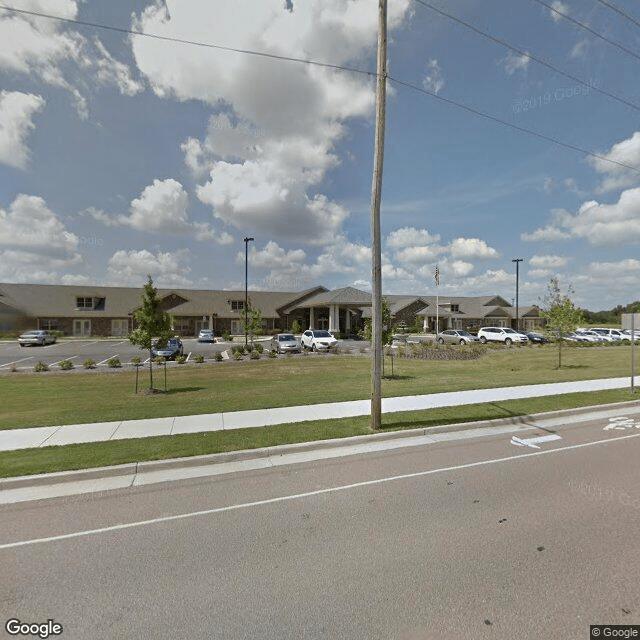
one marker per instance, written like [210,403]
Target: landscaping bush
[200,358]
[41,366]
[273,353]
[136,361]
[255,355]
[237,349]
[259,348]
[238,355]
[218,356]
[226,336]
[114,362]
[181,359]
[89,364]
[66,365]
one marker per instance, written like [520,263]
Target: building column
[311,320]
[334,318]
[347,320]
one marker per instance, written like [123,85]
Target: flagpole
[437,279]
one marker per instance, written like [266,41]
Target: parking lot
[13,357]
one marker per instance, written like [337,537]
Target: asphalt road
[466,538]
[12,355]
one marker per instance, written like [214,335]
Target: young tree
[251,321]
[561,314]
[151,323]
[295,327]
[387,329]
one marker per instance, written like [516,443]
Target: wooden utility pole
[376,191]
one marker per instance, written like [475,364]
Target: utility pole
[517,261]
[246,290]
[376,192]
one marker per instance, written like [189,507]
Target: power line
[528,55]
[331,66]
[620,11]
[589,29]
[196,43]
[505,123]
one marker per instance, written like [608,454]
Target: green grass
[67,398]
[85,456]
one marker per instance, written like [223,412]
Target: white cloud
[560,7]
[626,152]
[264,153]
[34,244]
[548,262]
[472,248]
[16,121]
[130,268]
[411,237]
[513,62]
[550,233]
[433,80]
[162,208]
[48,49]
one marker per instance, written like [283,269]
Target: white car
[285,343]
[36,337]
[317,340]
[206,335]
[611,334]
[501,334]
[590,336]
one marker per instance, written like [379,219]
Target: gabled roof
[346,297]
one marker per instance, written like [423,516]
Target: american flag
[437,276]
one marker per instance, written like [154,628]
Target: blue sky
[123,155]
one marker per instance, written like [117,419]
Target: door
[81,327]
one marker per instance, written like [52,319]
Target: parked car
[206,335]
[36,337]
[501,334]
[535,337]
[317,340]
[590,336]
[635,336]
[456,336]
[285,343]
[611,334]
[169,351]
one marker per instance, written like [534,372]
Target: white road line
[8,364]
[308,494]
[533,442]
[109,358]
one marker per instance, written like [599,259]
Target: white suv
[501,334]
[317,340]
[611,334]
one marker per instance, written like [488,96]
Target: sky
[150,138]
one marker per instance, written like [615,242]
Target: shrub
[66,365]
[114,362]
[295,327]
[181,359]
[136,360]
[273,353]
[226,336]
[200,358]
[259,348]
[41,366]
[89,364]
[159,360]
[237,349]
[255,355]
[249,348]
[238,355]
[218,356]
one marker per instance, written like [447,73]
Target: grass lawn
[30,400]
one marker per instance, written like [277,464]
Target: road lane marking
[8,364]
[621,423]
[308,494]
[533,442]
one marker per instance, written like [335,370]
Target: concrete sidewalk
[12,439]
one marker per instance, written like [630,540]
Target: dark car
[536,338]
[169,351]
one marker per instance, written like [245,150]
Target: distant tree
[295,327]
[387,328]
[152,323]
[561,314]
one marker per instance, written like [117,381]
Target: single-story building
[87,310]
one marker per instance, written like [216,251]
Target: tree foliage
[387,328]
[561,314]
[251,319]
[151,323]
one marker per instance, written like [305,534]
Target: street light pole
[246,289]
[517,261]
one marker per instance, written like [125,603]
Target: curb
[133,469]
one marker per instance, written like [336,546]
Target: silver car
[285,343]
[456,336]
[36,337]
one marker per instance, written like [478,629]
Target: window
[237,305]
[49,325]
[455,308]
[84,303]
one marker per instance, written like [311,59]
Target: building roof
[345,297]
